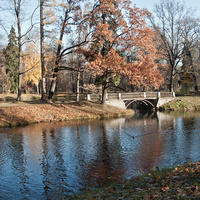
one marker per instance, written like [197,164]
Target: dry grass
[181,182]
[185,103]
[33,110]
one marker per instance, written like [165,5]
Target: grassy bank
[181,182]
[34,111]
[185,103]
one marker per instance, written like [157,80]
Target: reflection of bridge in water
[124,100]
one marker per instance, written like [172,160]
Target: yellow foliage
[58,42]
[32,64]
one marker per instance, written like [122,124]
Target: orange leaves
[104,33]
[112,62]
[164,189]
[107,6]
[119,29]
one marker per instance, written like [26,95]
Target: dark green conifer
[11,54]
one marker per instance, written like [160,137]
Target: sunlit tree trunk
[37,88]
[58,57]
[77,85]
[105,87]
[171,84]
[104,94]
[17,11]
[43,82]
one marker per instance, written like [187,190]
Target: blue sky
[149,4]
[195,4]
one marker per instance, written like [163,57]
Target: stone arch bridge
[123,100]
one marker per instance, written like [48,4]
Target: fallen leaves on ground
[181,182]
[49,112]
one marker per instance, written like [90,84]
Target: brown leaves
[24,113]
[181,182]
[118,29]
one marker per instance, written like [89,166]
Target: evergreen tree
[11,59]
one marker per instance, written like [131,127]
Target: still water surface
[49,161]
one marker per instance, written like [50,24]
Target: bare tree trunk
[105,88]
[43,81]
[17,11]
[171,84]
[37,89]
[53,83]
[77,85]
[58,57]
[104,95]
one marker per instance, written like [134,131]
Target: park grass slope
[24,114]
[184,103]
[181,182]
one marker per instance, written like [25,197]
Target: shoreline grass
[184,103]
[21,114]
[180,182]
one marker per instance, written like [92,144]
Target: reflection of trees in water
[45,162]
[111,161]
[82,154]
[53,165]
[18,158]
[150,138]
[183,143]
[108,163]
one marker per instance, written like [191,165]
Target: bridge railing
[113,95]
[93,97]
[134,95]
[131,95]
[167,94]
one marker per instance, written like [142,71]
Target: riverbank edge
[25,114]
[180,182]
[182,103]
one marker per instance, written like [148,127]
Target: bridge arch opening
[140,104]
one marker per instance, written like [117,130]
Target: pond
[50,161]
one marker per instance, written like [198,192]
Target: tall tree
[119,29]
[191,36]
[43,82]
[17,9]
[196,62]
[47,17]
[66,22]
[11,53]
[172,28]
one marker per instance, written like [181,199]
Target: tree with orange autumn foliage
[120,29]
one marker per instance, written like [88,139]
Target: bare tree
[43,82]
[196,62]
[191,35]
[66,22]
[15,8]
[173,28]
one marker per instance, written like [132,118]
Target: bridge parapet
[118,99]
[131,95]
